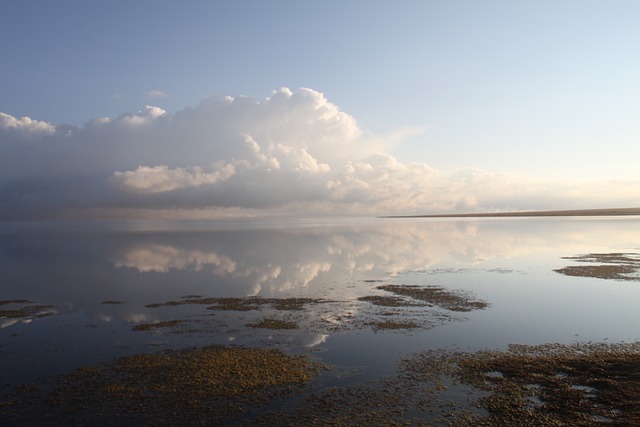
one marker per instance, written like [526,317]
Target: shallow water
[99,277]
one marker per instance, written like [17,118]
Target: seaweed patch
[200,386]
[25,310]
[435,295]
[611,266]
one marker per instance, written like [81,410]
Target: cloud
[25,127]
[160,179]
[155,94]
[147,115]
[293,151]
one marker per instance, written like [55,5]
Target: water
[77,268]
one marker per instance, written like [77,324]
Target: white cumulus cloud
[293,151]
[25,126]
[147,115]
[158,179]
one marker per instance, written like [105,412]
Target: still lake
[86,286]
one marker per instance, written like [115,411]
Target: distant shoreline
[574,212]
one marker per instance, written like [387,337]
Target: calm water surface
[76,267]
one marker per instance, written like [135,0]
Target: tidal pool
[358,299]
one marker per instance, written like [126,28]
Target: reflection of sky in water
[507,263]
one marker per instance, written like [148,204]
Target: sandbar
[572,212]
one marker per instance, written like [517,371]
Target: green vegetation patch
[435,295]
[612,266]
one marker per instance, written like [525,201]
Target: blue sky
[536,100]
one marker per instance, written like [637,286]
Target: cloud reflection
[314,261]
[162,258]
[268,262]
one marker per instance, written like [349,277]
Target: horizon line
[570,212]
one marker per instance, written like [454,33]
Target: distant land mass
[574,212]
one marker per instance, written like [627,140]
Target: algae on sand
[191,387]
[454,301]
[25,309]
[612,266]
[551,384]
[273,324]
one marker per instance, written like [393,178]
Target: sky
[233,108]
